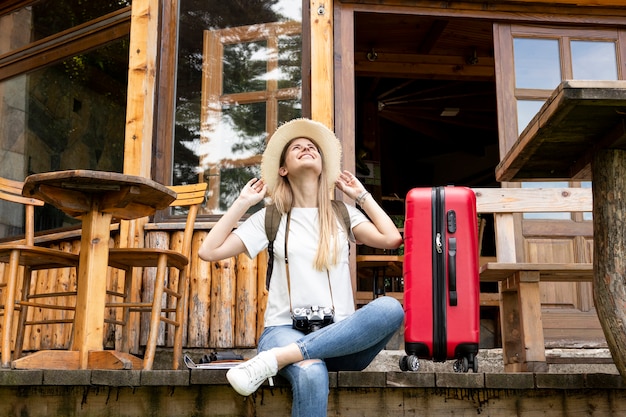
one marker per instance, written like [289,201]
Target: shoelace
[257,371]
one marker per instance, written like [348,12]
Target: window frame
[508,94]
[163,146]
[65,44]
[214,98]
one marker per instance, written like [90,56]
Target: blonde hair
[282,196]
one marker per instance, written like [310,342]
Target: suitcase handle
[452,271]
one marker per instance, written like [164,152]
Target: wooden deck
[158,393]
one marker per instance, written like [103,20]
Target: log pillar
[609,257]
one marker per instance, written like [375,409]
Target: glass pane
[545,216]
[228,102]
[245,66]
[537,63]
[594,60]
[526,110]
[288,110]
[586,215]
[66,116]
[48,17]
[290,61]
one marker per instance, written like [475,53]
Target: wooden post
[246,302]
[222,303]
[322,99]
[261,293]
[198,322]
[609,257]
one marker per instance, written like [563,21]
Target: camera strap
[330,289]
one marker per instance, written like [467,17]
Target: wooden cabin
[420,94]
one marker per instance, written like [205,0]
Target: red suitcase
[441,284]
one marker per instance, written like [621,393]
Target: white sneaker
[248,376]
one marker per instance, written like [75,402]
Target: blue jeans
[348,345]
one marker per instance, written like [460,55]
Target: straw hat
[327,142]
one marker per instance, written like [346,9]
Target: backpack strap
[272,220]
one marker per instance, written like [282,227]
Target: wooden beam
[501,3]
[141,87]
[141,105]
[322,86]
[65,44]
[420,66]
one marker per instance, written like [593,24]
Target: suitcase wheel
[409,363]
[463,364]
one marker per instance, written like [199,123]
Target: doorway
[425,101]
[425,115]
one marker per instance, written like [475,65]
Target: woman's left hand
[349,184]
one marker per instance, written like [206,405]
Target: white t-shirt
[309,287]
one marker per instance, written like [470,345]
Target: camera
[310,319]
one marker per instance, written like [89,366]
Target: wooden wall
[223,305]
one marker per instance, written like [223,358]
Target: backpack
[272,220]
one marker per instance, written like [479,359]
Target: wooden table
[96,197]
[377,263]
[580,133]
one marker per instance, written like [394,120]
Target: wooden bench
[520,301]
[535,272]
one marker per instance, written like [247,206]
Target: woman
[300,167]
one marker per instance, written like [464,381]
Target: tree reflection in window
[239,77]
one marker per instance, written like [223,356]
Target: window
[543,57]
[63,82]
[238,78]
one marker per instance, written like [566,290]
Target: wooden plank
[198,321]
[549,272]
[223,279]
[246,302]
[513,354]
[321,19]
[261,292]
[530,319]
[533,200]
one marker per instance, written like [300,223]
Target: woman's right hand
[253,192]
[221,243]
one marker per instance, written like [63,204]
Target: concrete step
[490,361]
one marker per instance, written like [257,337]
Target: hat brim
[327,142]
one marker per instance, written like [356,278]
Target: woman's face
[301,154]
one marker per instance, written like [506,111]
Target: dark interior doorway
[425,103]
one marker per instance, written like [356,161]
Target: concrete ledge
[61,377]
[165,378]
[604,381]
[10,377]
[207,377]
[510,381]
[411,379]
[560,381]
[460,380]
[365,379]
[115,378]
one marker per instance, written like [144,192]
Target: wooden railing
[519,282]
